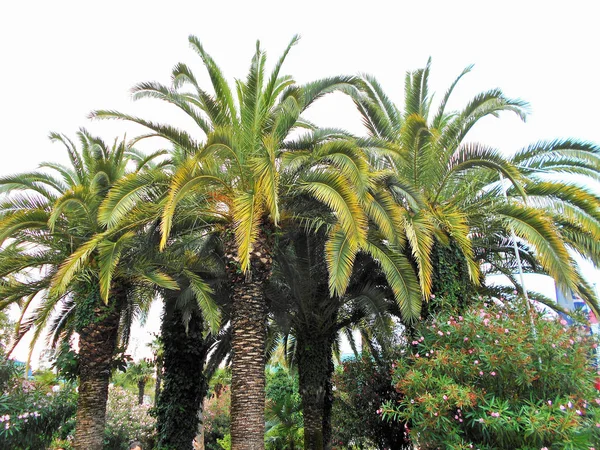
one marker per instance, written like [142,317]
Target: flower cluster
[486,378]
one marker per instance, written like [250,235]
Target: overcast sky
[61,59]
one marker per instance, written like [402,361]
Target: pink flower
[495,414]
[445,397]
[562,407]
[441,333]
[578,411]
[570,405]
[480,372]
[550,402]
[563,322]
[506,330]
[476,362]
[493,373]
[466,339]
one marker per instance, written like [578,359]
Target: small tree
[140,373]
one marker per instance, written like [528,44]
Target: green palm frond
[535,228]
[172,134]
[204,296]
[419,234]
[219,83]
[73,264]
[332,189]
[247,214]
[127,193]
[340,252]
[109,253]
[387,216]
[401,277]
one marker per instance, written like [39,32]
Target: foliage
[31,415]
[283,411]
[127,420]
[216,417]
[484,379]
[362,385]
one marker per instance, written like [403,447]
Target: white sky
[61,59]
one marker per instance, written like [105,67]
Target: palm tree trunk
[184,384]
[141,389]
[97,343]
[159,374]
[328,400]
[249,332]
[313,368]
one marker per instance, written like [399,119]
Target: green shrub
[487,381]
[216,417]
[362,385]
[32,416]
[127,420]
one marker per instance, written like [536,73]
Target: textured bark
[249,320]
[97,343]
[328,400]
[314,354]
[159,375]
[184,384]
[141,389]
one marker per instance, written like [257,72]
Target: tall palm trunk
[97,343]
[249,332]
[184,384]
[328,401]
[159,375]
[314,355]
[141,388]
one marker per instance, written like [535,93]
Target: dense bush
[127,420]
[283,412]
[31,417]
[216,417]
[362,385]
[486,380]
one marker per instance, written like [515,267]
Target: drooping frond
[206,303]
[340,252]
[331,189]
[400,276]
[247,214]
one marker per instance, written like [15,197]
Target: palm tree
[140,373]
[450,187]
[191,318]
[88,279]
[311,321]
[237,168]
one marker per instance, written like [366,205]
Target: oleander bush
[32,415]
[491,378]
[126,420]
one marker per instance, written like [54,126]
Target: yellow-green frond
[109,254]
[72,265]
[203,293]
[247,214]
[332,189]
[419,229]
[340,252]
[401,277]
